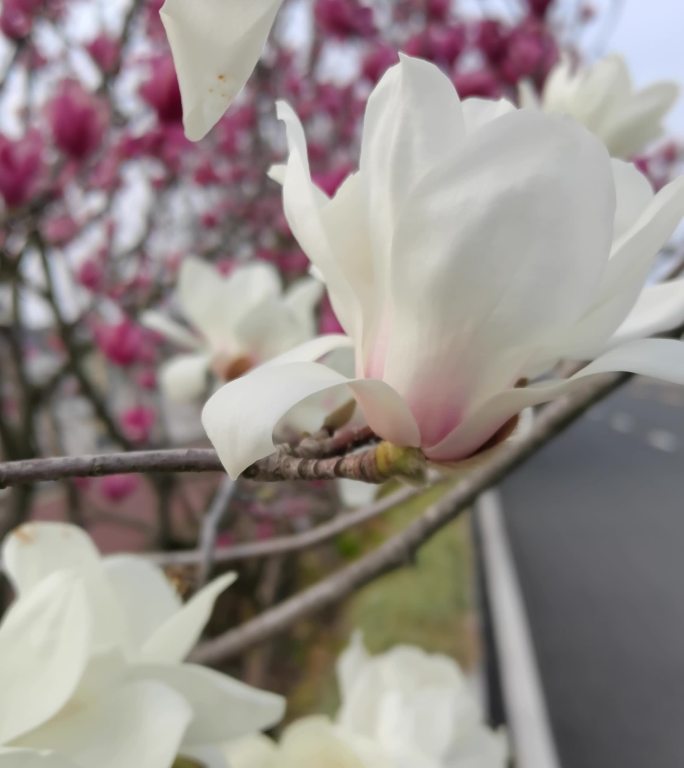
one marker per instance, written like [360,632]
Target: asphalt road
[596,526]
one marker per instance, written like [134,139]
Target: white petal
[634,194]
[272,327]
[302,297]
[479,112]
[174,639]
[351,663]
[239,419]
[184,377]
[215,46]
[139,724]
[215,303]
[207,757]
[659,308]
[173,331]
[639,122]
[256,751]
[36,550]
[28,758]
[632,258]
[524,270]
[413,124]
[314,349]
[44,647]
[223,708]
[658,358]
[324,228]
[144,595]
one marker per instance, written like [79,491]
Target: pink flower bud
[137,423]
[344,18]
[16,17]
[77,119]
[480,82]
[161,90]
[123,343]
[21,167]
[104,51]
[90,275]
[377,62]
[116,488]
[59,230]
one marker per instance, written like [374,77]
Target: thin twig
[210,524]
[281,545]
[400,550]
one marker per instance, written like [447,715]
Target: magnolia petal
[634,194]
[44,646]
[144,594]
[140,723]
[302,298]
[659,308]
[479,112]
[223,708]
[413,123]
[28,758]
[639,122]
[256,751]
[313,349]
[184,377]
[354,493]
[34,551]
[207,757]
[658,358]
[632,257]
[351,663]
[215,303]
[239,419]
[171,330]
[215,46]
[304,206]
[525,271]
[272,327]
[171,642]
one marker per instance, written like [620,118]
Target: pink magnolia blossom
[161,90]
[123,343]
[77,120]
[137,423]
[104,51]
[21,167]
[378,61]
[16,17]
[344,18]
[117,488]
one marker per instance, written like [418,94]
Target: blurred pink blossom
[137,423]
[161,90]
[21,167]
[116,488]
[77,120]
[16,17]
[344,18]
[104,51]
[123,343]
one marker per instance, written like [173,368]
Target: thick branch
[400,550]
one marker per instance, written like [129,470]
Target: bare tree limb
[218,509]
[400,550]
[282,545]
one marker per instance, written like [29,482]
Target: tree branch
[400,550]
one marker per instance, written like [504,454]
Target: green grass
[428,604]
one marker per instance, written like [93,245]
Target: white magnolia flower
[416,707]
[603,98]
[312,742]
[215,45]
[402,709]
[92,661]
[476,246]
[242,320]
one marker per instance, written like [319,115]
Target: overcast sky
[651,35]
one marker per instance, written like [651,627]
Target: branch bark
[400,550]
